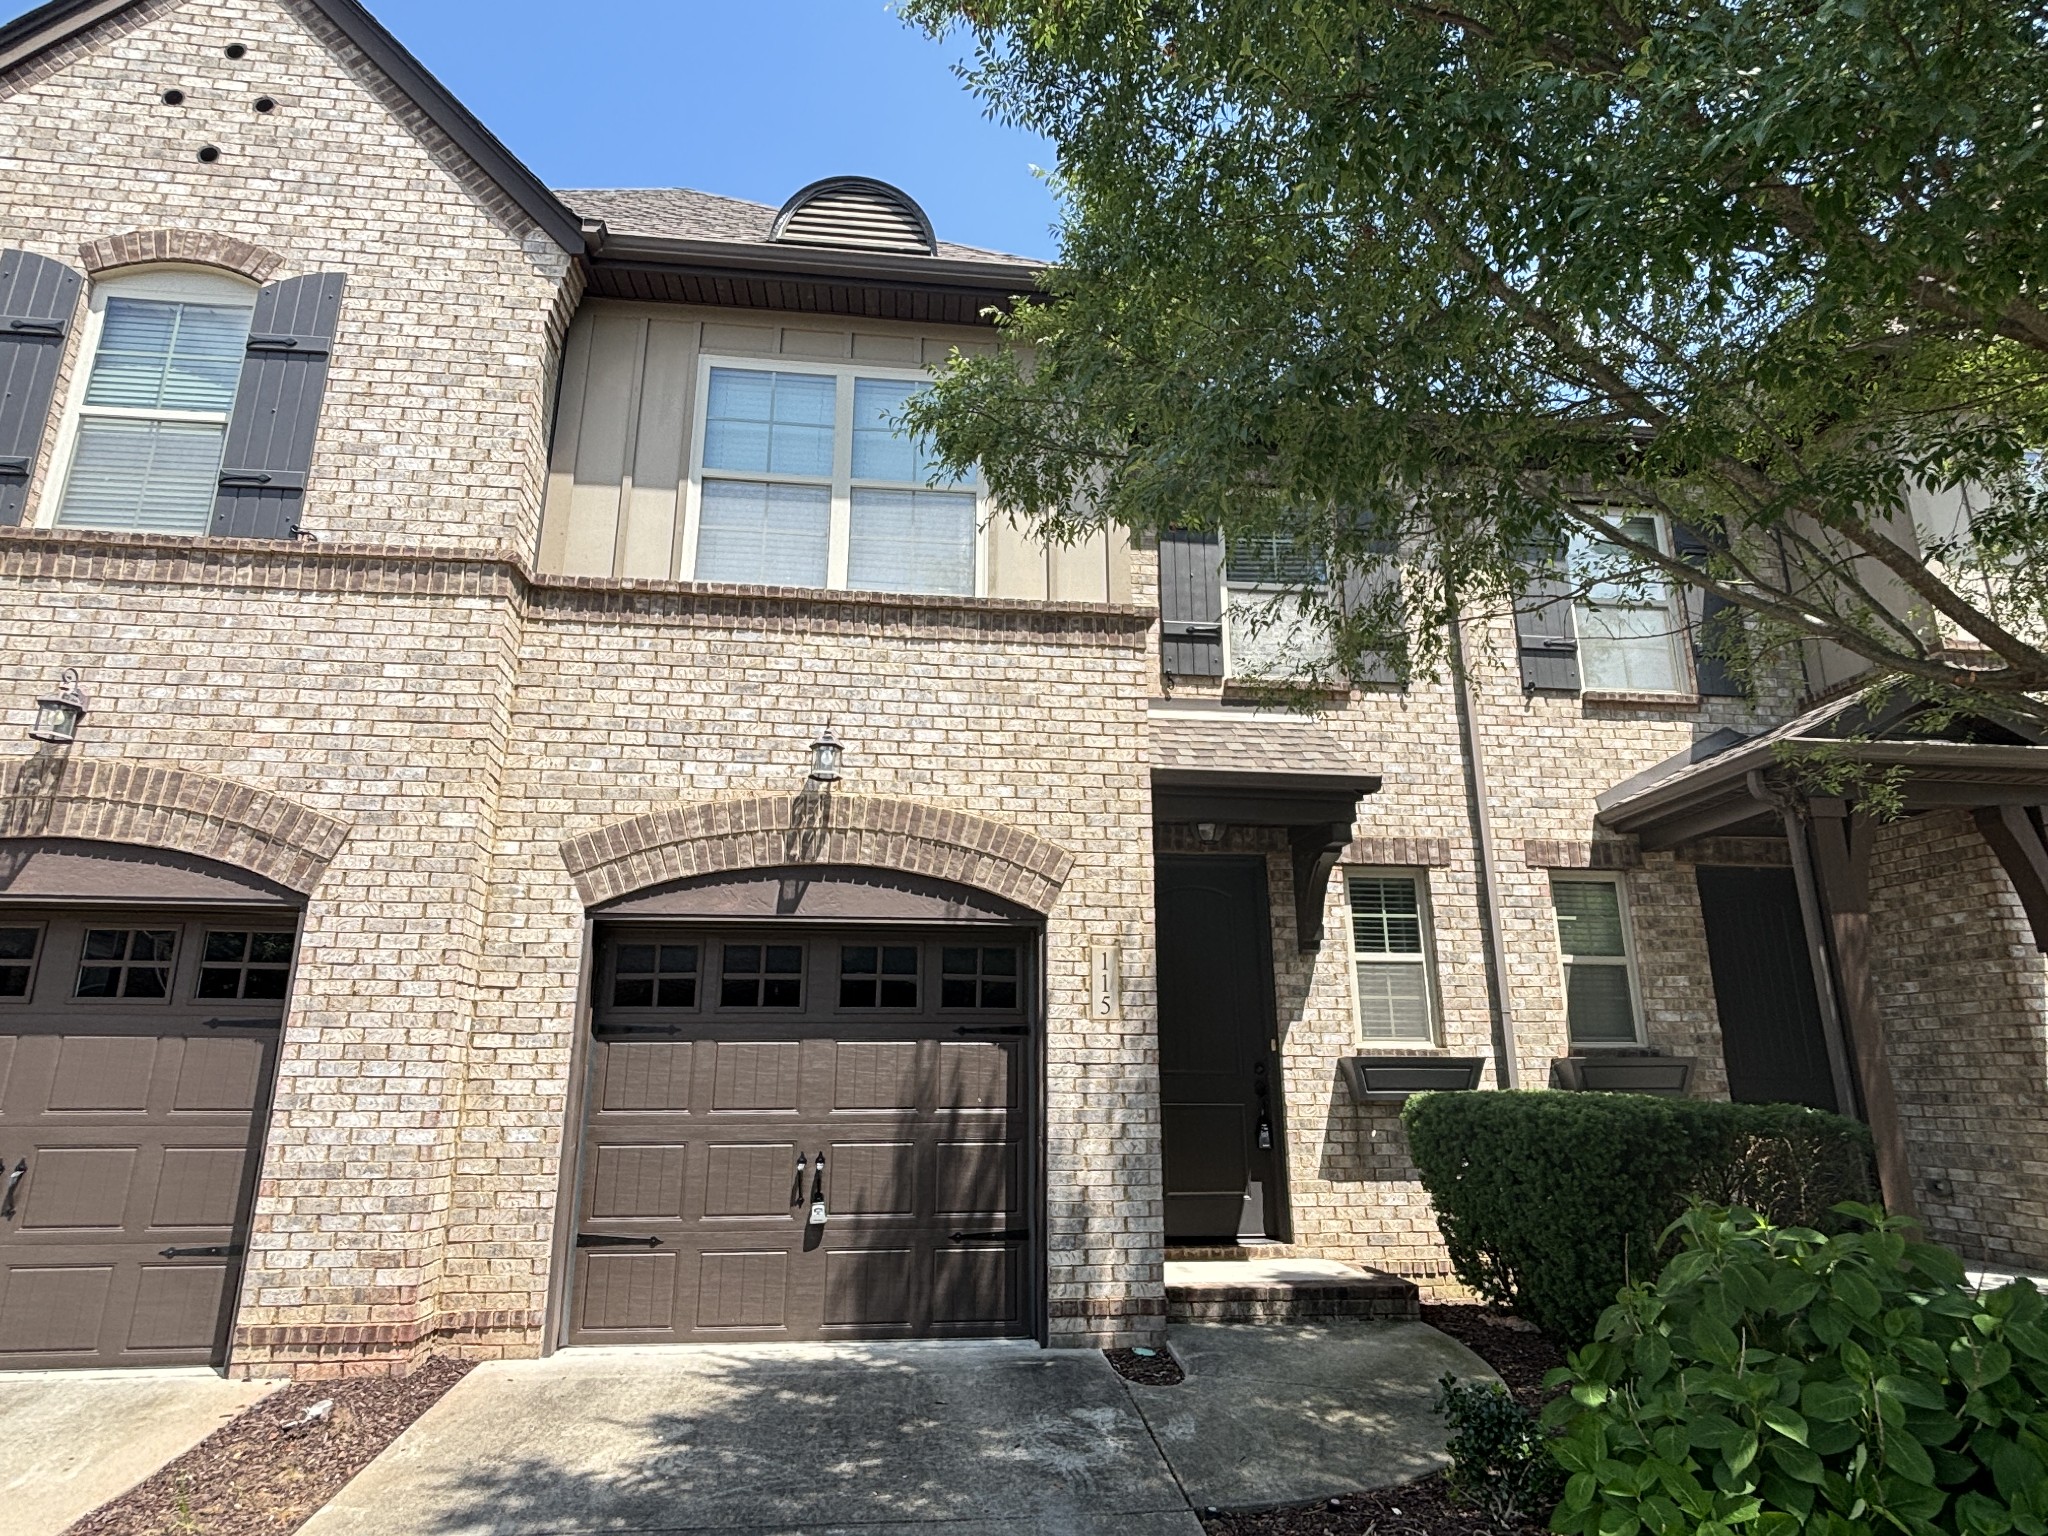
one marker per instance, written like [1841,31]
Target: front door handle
[13,1183]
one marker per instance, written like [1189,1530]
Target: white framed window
[140,446]
[1632,632]
[799,478]
[1393,981]
[1269,631]
[1598,953]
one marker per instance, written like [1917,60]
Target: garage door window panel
[126,964]
[761,976]
[981,977]
[242,965]
[879,977]
[20,947]
[653,975]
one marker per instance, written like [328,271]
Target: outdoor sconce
[825,755]
[58,714]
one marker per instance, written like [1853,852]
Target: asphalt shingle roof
[679,213]
[1248,746]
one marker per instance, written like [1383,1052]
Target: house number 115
[1105,982]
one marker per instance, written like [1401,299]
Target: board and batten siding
[618,476]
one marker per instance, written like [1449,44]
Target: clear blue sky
[750,98]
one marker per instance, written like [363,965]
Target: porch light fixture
[58,714]
[825,755]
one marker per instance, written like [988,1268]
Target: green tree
[1449,282]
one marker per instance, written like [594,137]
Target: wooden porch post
[1842,839]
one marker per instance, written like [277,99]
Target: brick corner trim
[199,246]
[772,831]
[196,813]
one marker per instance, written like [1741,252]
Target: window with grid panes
[978,976]
[126,963]
[654,976]
[878,976]
[1390,954]
[805,480]
[18,961]
[761,976]
[1599,979]
[245,966]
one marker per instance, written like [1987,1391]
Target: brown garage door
[741,1078]
[136,1056]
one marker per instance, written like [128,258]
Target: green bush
[1779,1380]
[1550,1202]
[1500,1452]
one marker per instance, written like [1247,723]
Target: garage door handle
[217,1251]
[613,1240]
[13,1183]
[1007,1235]
[993,1029]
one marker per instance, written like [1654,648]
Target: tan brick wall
[435,423]
[1547,756]
[1965,1000]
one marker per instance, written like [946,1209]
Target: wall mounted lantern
[825,756]
[58,714]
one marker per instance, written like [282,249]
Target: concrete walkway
[74,1439]
[981,1439]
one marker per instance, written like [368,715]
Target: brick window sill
[1634,696]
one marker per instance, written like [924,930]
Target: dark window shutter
[1380,583]
[1714,620]
[1191,604]
[1546,634]
[277,409]
[37,298]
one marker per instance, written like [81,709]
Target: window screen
[1391,956]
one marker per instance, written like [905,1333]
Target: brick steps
[1257,1290]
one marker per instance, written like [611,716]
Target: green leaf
[1829,1401]
[1786,1423]
[1904,1455]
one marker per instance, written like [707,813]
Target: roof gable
[50,26]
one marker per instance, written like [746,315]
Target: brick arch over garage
[50,796]
[716,836]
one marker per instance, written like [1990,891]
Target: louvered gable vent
[857,214]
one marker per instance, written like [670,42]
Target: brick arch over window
[195,813]
[198,246]
[780,830]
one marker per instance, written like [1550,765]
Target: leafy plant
[1775,1380]
[1500,1456]
[1550,1202]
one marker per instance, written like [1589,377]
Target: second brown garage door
[804,1137]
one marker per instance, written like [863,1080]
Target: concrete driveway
[75,1439]
[888,1439]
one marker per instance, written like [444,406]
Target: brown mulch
[266,1472]
[1518,1353]
[1154,1368]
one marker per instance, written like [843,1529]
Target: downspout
[1507,1071]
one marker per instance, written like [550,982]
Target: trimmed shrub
[1500,1453]
[1550,1202]
[1782,1382]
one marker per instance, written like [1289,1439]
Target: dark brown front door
[1771,1034]
[136,1055]
[743,1078]
[1219,1091]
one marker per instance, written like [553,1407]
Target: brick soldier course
[426,718]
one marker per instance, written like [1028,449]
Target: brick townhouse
[562,799]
